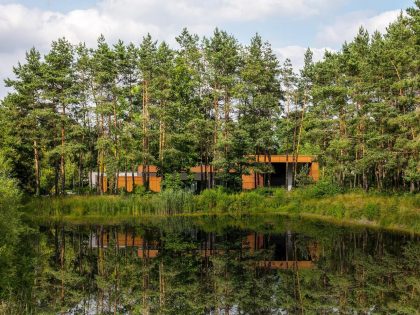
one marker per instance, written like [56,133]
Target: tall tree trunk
[215,138]
[133,182]
[116,147]
[299,137]
[294,165]
[62,157]
[37,170]
[80,171]
[226,109]
[56,177]
[145,136]
[126,177]
[101,153]
[287,142]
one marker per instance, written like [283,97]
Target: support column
[289,178]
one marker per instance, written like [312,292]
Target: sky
[289,25]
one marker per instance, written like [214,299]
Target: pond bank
[393,212]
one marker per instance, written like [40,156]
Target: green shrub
[249,200]
[217,200]
[140,190]
[279,196]
[302,178]
[172,181]
[336,211]
[321,189]
[264,191]
[371,211]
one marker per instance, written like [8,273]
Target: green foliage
[389,211]
[371,211]
[172,182]
[215,102]
[140,190]
[10,230]
[280,196]
[322,188]
[302,178]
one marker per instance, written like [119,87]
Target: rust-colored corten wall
[154,182]
[314,171]
[250,181]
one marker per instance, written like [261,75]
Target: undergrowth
[323,199]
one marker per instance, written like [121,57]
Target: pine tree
[59,76]
[28,111]
[222,66]
[287,127]
[147,66]
[260,107]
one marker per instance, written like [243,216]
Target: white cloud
[296,54]
[129,19]
[22,27]
[346,27]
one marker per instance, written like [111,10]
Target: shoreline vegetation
[323,202]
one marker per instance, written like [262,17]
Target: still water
[221,265]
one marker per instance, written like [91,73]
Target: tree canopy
[213,101]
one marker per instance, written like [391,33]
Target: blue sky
[289,25]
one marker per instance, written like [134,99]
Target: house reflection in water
[272,251]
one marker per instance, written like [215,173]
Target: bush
[302,178]
[337,211]
[140,190]
[371,211]
[172,181]
[321,189]
[214,199]
[249,201]
[264,191]
[10,226]
[280,196]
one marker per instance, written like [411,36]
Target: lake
[219,265]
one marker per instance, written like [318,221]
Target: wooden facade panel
[249,181]
[314,171]
[152,169]
[154,183]
[199,169]
[147,253]
[105,184]
[122,182]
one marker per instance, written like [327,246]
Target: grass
[393,212]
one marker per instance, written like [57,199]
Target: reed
[390,211]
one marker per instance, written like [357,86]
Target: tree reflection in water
[210,265]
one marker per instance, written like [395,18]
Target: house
[283,168]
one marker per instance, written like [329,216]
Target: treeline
[212,102]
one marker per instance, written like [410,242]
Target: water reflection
[279,250]
[222,266]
